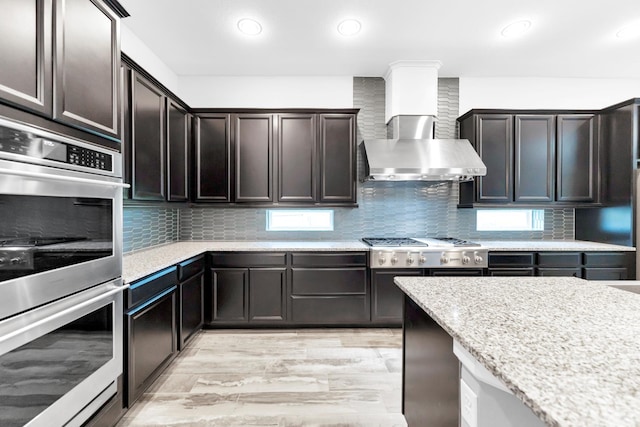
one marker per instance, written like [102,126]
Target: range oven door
[59,362]
[80,212]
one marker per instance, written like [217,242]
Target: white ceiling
[568,38]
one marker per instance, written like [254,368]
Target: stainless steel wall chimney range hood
[411,153]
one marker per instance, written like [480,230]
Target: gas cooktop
[428,252]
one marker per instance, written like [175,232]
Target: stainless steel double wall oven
[61,291]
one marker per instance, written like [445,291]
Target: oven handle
[64,312]
[62,178]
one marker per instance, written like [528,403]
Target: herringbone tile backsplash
[385,209]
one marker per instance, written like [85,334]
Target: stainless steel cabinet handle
[62,178]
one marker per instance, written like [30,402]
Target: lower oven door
[59,362]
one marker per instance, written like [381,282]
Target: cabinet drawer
[337,259]
[190,268]
[329,309]
[248,259]
[559,259]
[606,259]
[605,273]
[328,281]
[511,259]
[559,272]
[510,272]
[146,288]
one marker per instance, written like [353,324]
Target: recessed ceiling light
[629,32]
[349,27]
[516,28]
[250,27]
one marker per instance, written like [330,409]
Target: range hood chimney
[411,153]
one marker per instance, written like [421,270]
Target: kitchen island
[567,348]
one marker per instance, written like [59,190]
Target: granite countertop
[567,347]
[139,264]
[551,245]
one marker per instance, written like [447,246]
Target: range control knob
[394,259]
[477,258]
[422,259]
[444,259]
[3,261]
[16,261]
[465,259]
[381,259]
[410,259]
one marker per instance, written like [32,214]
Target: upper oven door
[61,232]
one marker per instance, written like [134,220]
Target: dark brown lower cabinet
[229,295]
[191,316]
[386,297]
[585,265]
[152,341]
[267,295]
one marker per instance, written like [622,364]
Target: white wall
[140,52]
[548,93]
[267,91]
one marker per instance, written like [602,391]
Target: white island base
[485,401]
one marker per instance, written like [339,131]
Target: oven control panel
[399,258]
[14,141]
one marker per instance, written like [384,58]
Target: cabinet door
[386,296]
[267,295]
[177,152]
[254,161]
[577,173]
[605,274]
[297,158]
[213,158]
[337,158]
[25,49]
[494,143]
[147,140]
[230,295]
[191,309]
[535,158]
[152,342]
[87,65]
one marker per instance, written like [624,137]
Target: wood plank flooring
[291,377]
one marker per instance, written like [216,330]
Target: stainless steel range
[438,252]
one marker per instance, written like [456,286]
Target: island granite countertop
[568,348]
[139,264]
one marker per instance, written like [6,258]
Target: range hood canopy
[410,153]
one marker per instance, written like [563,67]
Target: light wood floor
[299,377]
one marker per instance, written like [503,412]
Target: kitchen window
[299,220]
[510,220]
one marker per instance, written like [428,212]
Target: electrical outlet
[468,405]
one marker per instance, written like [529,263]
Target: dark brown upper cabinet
[577,179]
[253,157]
[178,131]
[492,137]
[534,157]
[87,66]
[297,157]
[25,74]
[213,165]
[147,140]
[61,60]
[337,158]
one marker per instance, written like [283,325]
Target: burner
[457,242]
[392,241]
